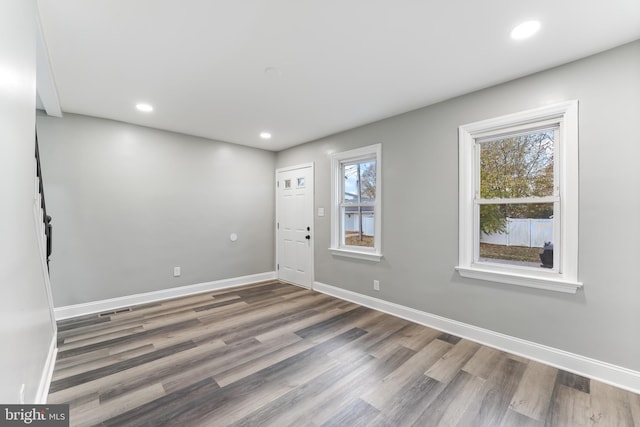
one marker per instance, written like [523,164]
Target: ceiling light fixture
[265,135]
[525,30]
[144,107]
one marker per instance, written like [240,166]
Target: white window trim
[565,279]
[368,254]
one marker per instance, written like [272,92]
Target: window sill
[347,253]
[532,281]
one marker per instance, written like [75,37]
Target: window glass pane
[360,182]
[518,166]
[368,181]
[358,225]
[517,234]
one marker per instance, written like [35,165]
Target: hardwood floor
[273,354]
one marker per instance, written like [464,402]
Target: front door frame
[311,216]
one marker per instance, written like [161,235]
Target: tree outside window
[515,184]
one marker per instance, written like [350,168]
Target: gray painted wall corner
[420,209]
[130,203]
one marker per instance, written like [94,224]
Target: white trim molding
[367,256]
[520,279]
[75,310]
[601,371]
[47,372]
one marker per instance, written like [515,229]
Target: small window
[518,198]
[356,203]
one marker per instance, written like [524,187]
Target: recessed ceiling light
[525,30]
[265,135]
[144,107]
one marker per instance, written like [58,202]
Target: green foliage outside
[515,167]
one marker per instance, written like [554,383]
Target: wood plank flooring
[273,354]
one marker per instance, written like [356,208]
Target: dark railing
[46,219]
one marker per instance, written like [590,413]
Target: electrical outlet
[376,285]
[176,272]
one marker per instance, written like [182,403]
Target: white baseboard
[47,372]
[75,310]
[601,371]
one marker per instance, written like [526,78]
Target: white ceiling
[338,63]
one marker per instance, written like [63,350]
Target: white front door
[294,225]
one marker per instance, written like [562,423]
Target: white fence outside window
[352,223]
[528,232]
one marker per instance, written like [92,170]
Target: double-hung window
[519,198]
[356,196]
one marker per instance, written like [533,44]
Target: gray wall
[26,327]
[420,212]
[129,203]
